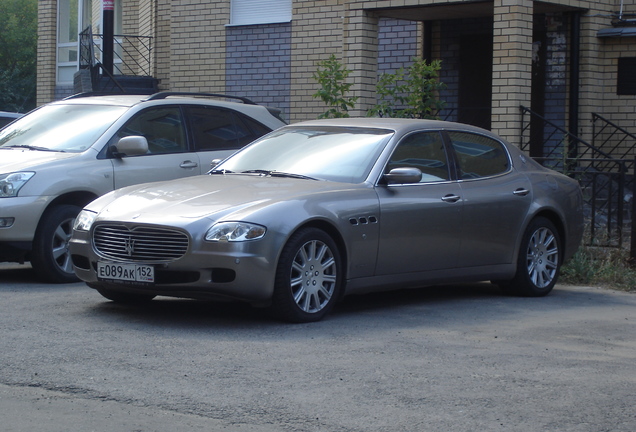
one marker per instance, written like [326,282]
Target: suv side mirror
[131,146]
[403,176]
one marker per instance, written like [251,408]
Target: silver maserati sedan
[321,209]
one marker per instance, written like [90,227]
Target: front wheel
[539,260]
[308,277]
[51,258]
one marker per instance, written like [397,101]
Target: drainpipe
[108,11]
[575,69]
[427,49]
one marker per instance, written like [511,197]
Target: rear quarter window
[479,156]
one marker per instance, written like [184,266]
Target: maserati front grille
[139,243]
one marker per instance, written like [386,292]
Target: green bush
[410,92]
[331,75]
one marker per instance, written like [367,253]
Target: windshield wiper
[30,147]
[274,173]
[258,171]
[291,175]
[220,171]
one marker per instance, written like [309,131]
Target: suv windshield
[339,154]
[67,128]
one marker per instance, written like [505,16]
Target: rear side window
[221,129]
[479,156]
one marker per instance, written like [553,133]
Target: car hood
[21,159]
[206,196]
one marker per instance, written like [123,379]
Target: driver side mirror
[130,146]
[403,176]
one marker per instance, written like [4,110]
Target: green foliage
[331,75]
[18,47]
[410,92]
[608,267]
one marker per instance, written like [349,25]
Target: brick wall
[512,63]
[197,45]
[316,33]
[46,50]
[258,64]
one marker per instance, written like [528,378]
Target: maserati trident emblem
[129,245]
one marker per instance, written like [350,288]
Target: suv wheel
[51,258]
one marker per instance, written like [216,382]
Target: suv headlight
[84,220]
[11,183]
[235,232]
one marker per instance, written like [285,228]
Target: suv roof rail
[100,93]
[164,95]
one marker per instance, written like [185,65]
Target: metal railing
[132,54]
[604,179]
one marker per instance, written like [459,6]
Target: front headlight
[235,232]
[84,220]
[11,183]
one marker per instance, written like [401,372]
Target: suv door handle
[521,192]
[450,198]
[188,164]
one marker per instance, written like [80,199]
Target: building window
[67,35]
[247,12]
[626,77]
[73,17]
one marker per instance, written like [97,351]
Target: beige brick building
[563,59]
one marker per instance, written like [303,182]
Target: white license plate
[125,272]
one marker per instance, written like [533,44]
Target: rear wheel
[539,260]
[308,277]
[51,258]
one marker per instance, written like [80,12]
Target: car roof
[168,98]
[399,125]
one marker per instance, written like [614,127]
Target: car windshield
[339,154]
[65,128]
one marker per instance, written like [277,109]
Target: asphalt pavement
[451,358]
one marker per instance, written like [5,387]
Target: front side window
[162,127]
[425,151]
[479,156]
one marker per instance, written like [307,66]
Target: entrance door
[475,80]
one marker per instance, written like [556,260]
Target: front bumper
[240,271]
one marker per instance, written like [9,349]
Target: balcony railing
[131,57]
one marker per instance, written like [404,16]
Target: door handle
[450,198]
[188,164]
[521,192]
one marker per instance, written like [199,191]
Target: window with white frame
[72,18]
[247,12]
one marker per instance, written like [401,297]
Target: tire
[539,261]
[51,257]
[125,298]
[308,277]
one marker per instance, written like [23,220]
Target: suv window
[479,156]
[425,151]
[221,129]
[68,128]
[162,127]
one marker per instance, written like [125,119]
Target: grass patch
[606,267]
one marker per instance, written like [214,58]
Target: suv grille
[139,243]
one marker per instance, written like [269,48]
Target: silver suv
[63,155]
